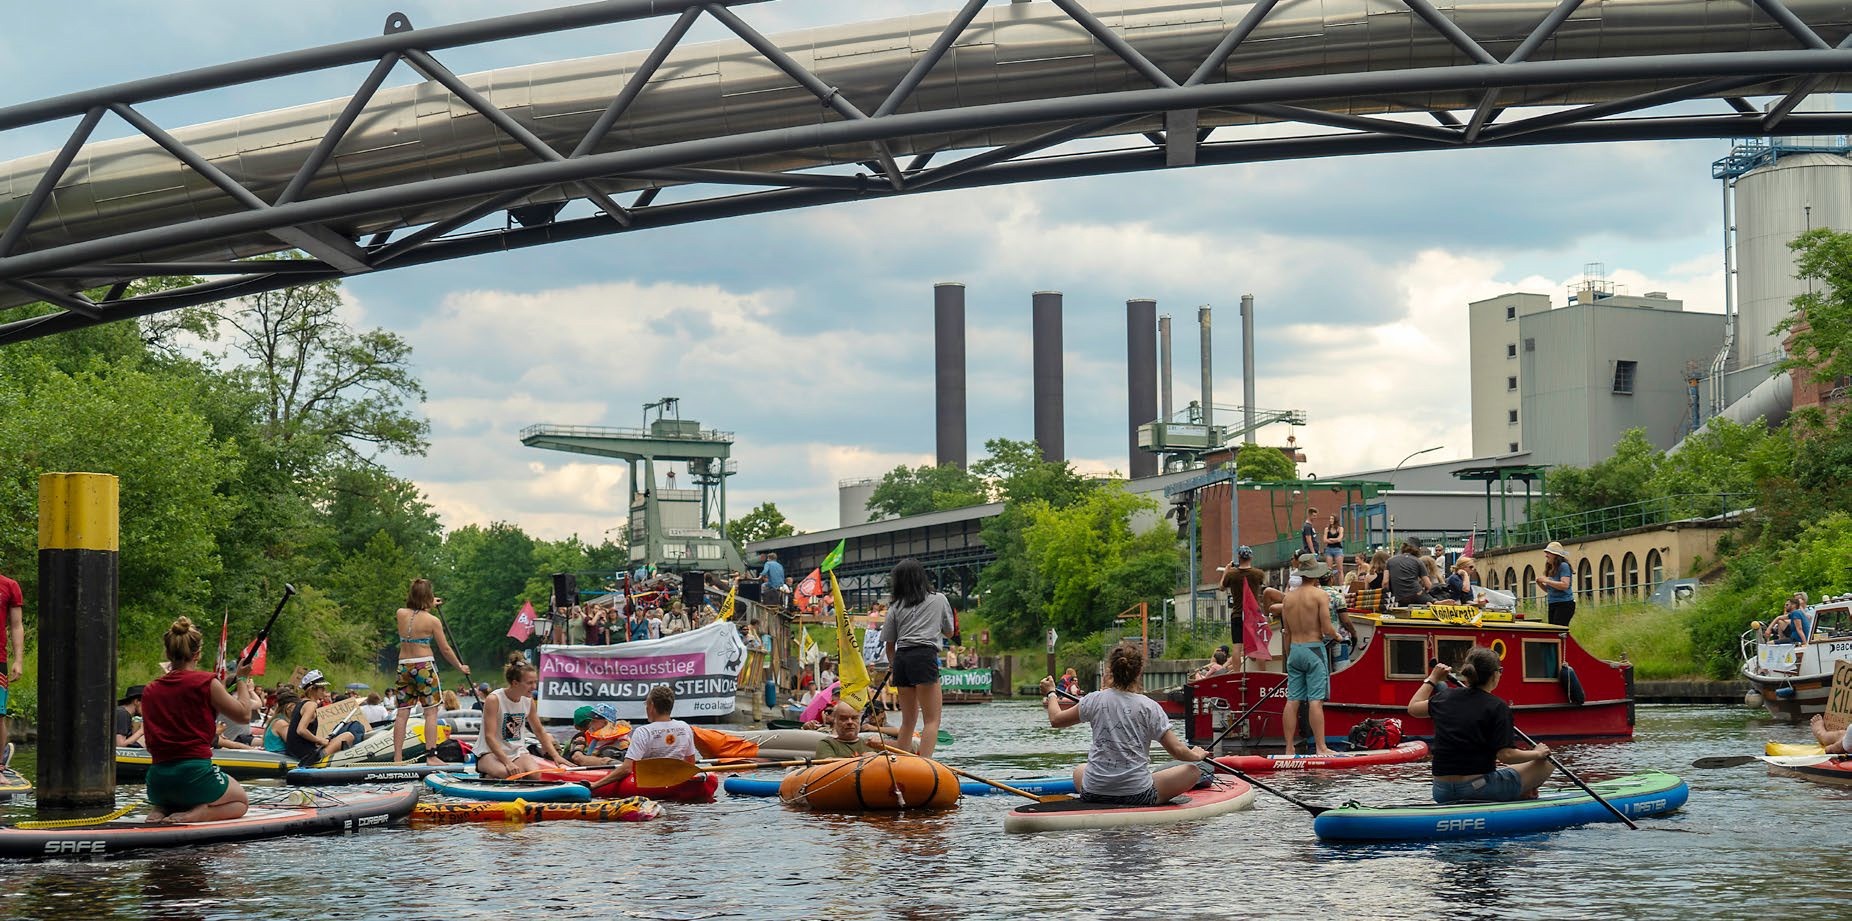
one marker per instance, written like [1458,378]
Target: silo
[852,497]
[1775,204]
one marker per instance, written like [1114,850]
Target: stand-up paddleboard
[1651,793]
[768,786]
[1362,757]
[352,814]
[1227,795]
[470,786]
[13,783]
[633,809]
[367,773]
[244,764]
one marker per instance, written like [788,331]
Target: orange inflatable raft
[632,809]
[871,782]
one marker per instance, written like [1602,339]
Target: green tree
[1017,473]
[486,582]
[765,521]
[1075,567]
[1263,464]
[1821,324]
[1621,479]
[907,491]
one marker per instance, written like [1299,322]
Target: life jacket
[1376,734]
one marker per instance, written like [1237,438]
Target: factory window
[1511,313]
[1511,383]
[1530,584]
[1514,447]
[1623,376]
[1511,417]
[1530,345]
[1511,350]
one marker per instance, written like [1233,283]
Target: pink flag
[224,631]
[1469,543]
[523,626]
[1255,634]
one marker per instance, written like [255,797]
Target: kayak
[365,773]
[354,813]
[1651,793]
[1779,749]
[244,764]
[762,786]
[1226,795]
[1362,757]
[784,744]
[13,783]
[633,809]
[697,789]
[1820,768]
[470,786]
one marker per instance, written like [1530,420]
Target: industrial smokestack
[1247,367]
[1164,367]
[948,309]
[1140,381]
[1045,314]
[1208,397]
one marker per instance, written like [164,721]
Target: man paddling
[663,736]
[1306,618]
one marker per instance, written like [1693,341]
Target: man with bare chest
[1306,618]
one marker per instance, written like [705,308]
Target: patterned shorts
[418,684]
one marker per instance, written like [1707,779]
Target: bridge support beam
[77,639]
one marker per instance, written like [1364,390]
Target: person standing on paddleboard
[421,636]
[1306,618]
[12,653]
[507,718]
[916,621]
[178,721]
[1125,722]
[1475,751]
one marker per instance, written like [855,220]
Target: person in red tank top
[178,713]
[12,652]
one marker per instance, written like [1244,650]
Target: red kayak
[1366,757]
[1828,769]
[697,789]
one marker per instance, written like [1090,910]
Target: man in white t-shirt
[662,737]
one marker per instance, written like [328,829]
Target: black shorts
[1561,612]
[915,665]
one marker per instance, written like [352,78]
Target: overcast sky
[809,333]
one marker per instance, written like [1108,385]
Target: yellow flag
[726,604]
[850,669]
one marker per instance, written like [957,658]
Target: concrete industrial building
[1563,385]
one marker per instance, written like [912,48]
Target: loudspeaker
[694,590]
[565,589]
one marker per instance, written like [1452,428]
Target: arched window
[1630,575]
[1585,581]
[1655,570]
[1511,579]
[1607,578]
[1530,584]
[1491,579]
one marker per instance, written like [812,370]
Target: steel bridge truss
[61,274]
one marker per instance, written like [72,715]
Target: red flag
[1469,543]
[809,589]
[257,661]
[523,626]
[1255,634]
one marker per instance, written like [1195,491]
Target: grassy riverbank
[1657,640]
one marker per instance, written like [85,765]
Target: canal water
[1747,845]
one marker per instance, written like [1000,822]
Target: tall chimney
[1208,397]
[1045,318]
[1164,404]
[1140,381]
[1247,366]
[948,310]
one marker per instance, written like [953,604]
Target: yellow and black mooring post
[78,528]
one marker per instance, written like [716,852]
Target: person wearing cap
[1241,570]
[1555,581]
[1306,619]
[301,741]
[600,739]
[128,735]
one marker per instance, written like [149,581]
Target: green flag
[835,556]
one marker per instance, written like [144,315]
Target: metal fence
[1614,518]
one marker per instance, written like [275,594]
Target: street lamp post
[1392,473]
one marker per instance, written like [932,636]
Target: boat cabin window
[1833,621]
[1407,657]
[1451,651]
[1542,659]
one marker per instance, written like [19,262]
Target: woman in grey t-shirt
[1125,723]
[915,622]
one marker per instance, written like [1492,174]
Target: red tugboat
[1557,690]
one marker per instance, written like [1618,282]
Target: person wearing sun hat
[1557,580]
[600,739]
[1306,619]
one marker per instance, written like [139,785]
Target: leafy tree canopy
[1260,463]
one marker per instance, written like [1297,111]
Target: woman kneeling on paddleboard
[178,718]
[507,717]
[1125,722]
[1473,736]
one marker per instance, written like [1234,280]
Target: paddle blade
[1725,761]
[662,772]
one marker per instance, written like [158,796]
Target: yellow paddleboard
[1786,748]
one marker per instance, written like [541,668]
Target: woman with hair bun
[179,722]
[1125,722]
[508,718]
[1475,753]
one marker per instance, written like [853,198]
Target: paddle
[1725,761]
[1521,734]
[1219,766]
[654,773]
[1040,798]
